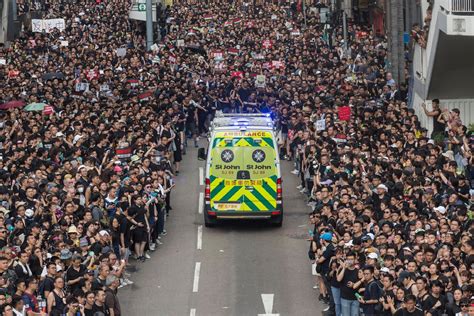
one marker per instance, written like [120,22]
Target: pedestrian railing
[461,6]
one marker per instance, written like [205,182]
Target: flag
[208,17]
[237,21]
[145,96]
[133,82]
[233,51]
[227,23]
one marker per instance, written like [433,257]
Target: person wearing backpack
[372,293]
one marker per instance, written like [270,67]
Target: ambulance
[243,178]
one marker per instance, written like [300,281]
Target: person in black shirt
[89,305]
[409,308]
[140,234]
[324,261]
[348,276]
[99,305]
[47,284]
[75,273]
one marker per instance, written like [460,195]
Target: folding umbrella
[35,107]
[12,104]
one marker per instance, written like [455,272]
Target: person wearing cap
[324,261]
[380,195]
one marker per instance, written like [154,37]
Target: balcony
[444,68]
[461,7]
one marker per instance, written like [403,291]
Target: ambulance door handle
[249,188]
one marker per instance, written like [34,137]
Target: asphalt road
[225,270]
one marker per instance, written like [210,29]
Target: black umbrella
[53,75]
[197,50]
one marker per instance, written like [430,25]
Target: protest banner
[267,44]
[344,113]
[121,52]
[320,125]
[260,81]
[47,25]
[233,51]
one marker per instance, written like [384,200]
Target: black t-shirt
[125,230]
[327,254]
[46,285]
[102,309]
[347,293]
[284,124]
[138,213]
[190,110]
[73,274]
[404,312]
[89,312]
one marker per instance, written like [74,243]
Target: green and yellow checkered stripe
[242,142]
[261,198]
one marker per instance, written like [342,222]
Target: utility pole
[344,25]
[304,12]
[394,18]
[149,24]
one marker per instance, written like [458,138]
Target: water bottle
[41,304]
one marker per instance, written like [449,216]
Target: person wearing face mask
[81,194]
[348,276]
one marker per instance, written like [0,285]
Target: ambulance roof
[242,121]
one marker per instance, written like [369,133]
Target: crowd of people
[86,175]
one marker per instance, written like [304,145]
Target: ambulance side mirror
[202,155]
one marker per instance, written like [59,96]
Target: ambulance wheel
[277,221]
[208,221]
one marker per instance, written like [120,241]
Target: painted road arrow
[267,300]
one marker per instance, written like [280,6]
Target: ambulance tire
[277,221]
[208,221]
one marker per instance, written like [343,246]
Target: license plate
[227,206]
[243,182]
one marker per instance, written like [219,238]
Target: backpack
[379,306]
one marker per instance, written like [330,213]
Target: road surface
[229,269]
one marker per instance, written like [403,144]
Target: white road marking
[197,270]
[199,240]
[192,312]
[267,300]
[201,202]
[201,176]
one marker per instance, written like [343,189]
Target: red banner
[344,113]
